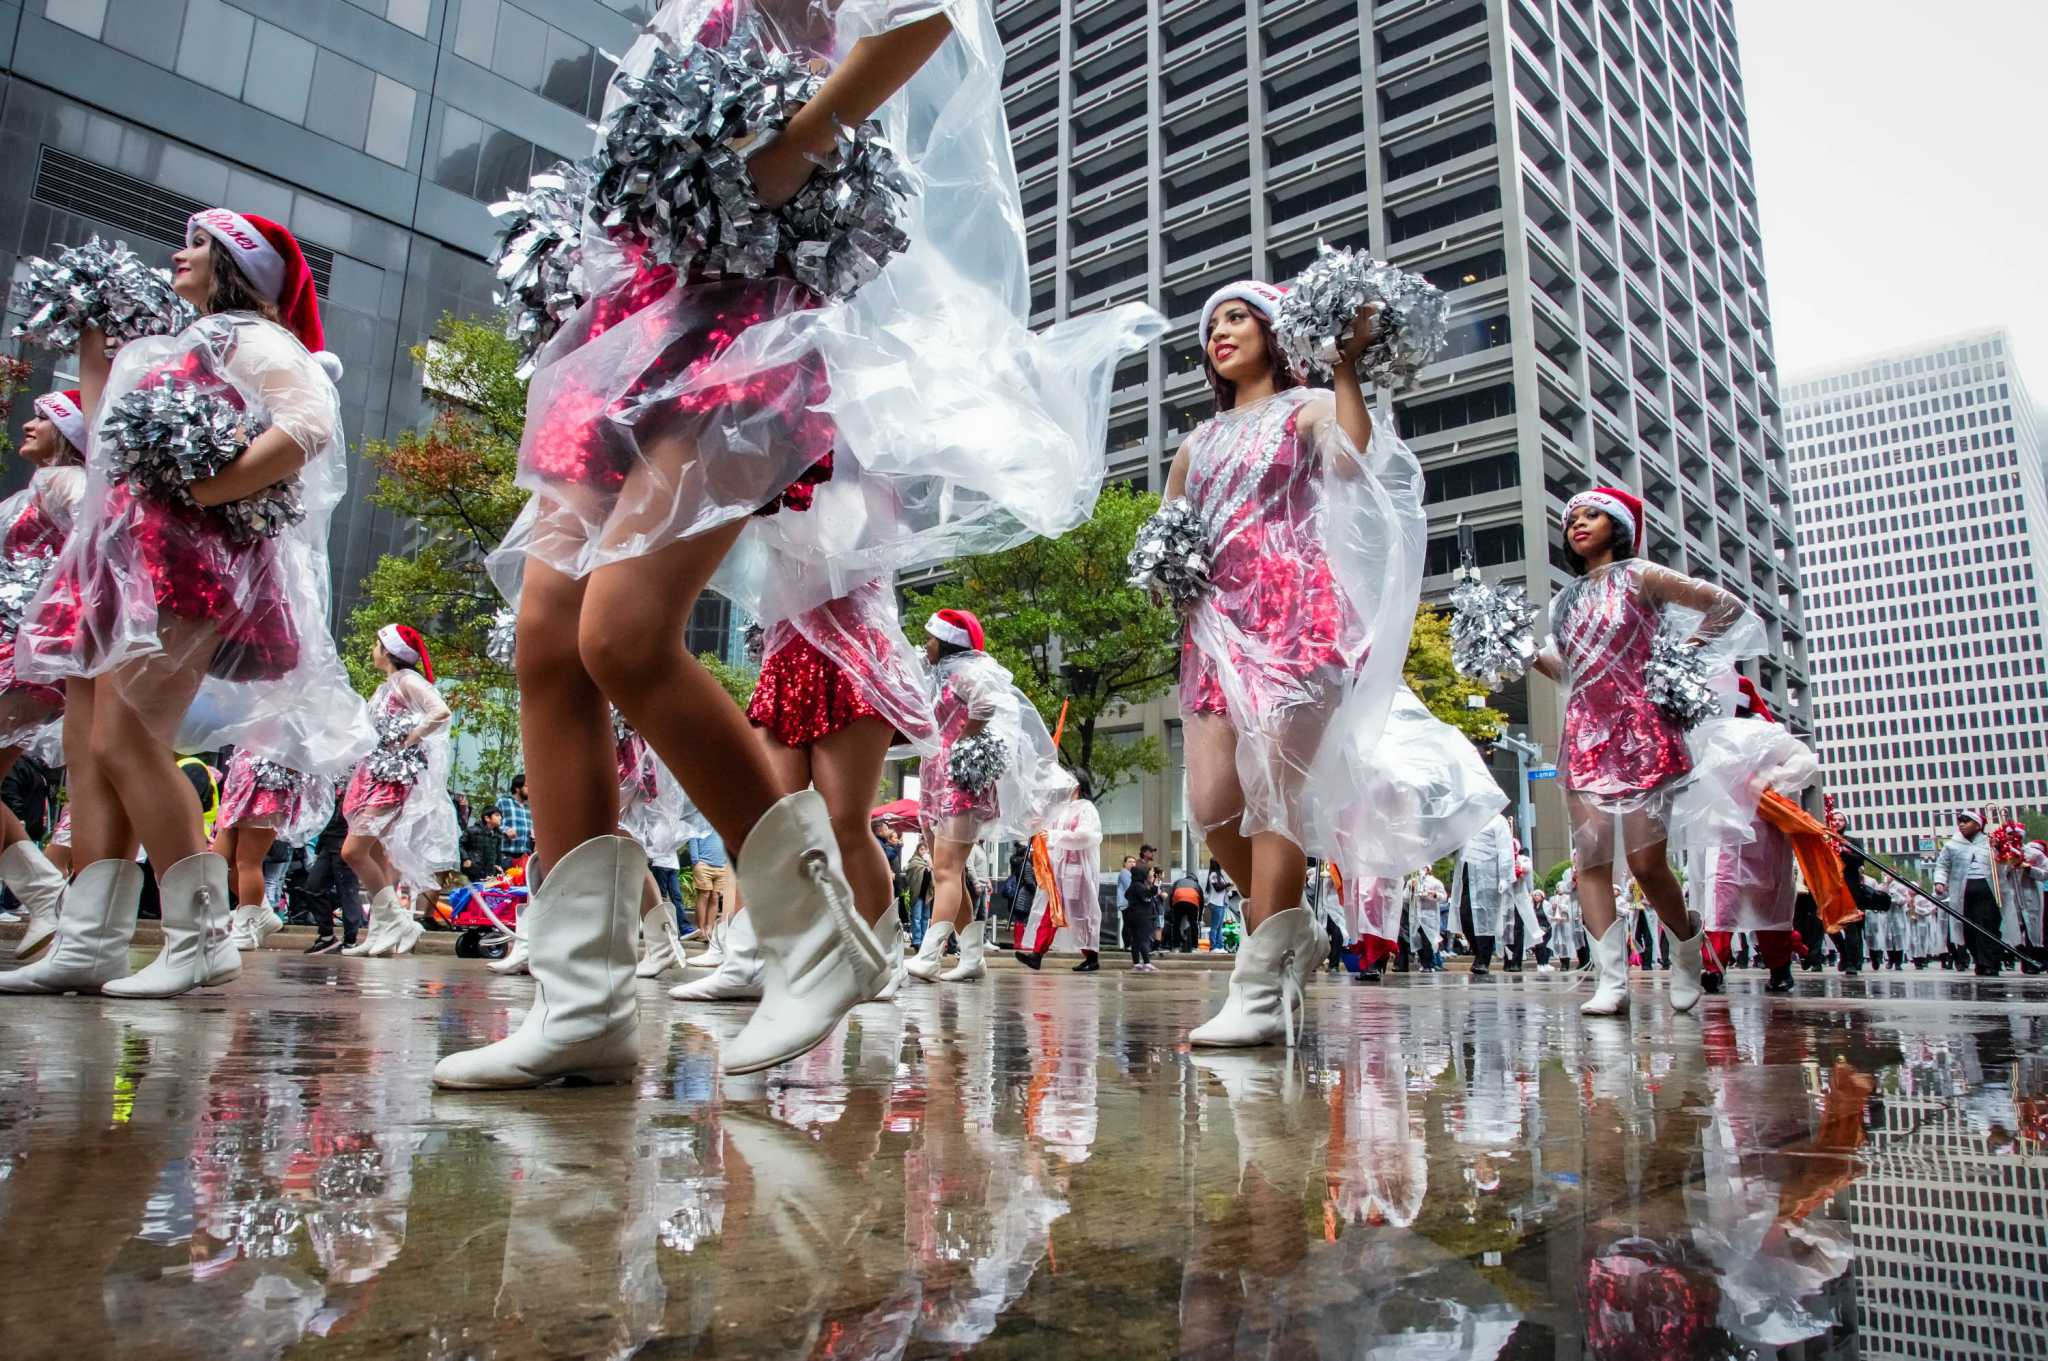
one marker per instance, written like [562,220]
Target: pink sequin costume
[296,813]
[36,518]
[1623,758]
[831,666]
[415,822]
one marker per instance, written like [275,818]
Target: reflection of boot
[197,952]
[738,975]
[93,932]
[819,959]
[40,887]
[1610,958]
[1279,1132]
[971,964]
[1266,980]
[585,1018]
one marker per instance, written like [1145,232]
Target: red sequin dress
[829,667]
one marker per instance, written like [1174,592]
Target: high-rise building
[1576,174]
[1923,525]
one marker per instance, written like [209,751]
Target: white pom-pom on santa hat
[331,362]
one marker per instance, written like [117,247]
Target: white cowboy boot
[713,955]
[406,931]
[383,916]
[516,961]
[93,932]
[1610,961]
[1264,1003]
[738,978]
[585,1018]
[931,956]
[263,924]
[1686,965]
[660,944]
[819,959]
[40,887]
[197,952]
[240,929]
[890,931]
[973,941]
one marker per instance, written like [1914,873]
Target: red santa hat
[404,644]
[1750,702]
[1262,298]
[65,411]
[1625,507]
[270,259]
[957,627]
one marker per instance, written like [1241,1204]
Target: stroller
[487,914]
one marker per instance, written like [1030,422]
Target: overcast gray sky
[1901,153]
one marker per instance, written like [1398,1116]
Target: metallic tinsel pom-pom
[1676,681]
[269,774]
[108,287]
[1492,632]
[1171,553]
[501,642]
[540,256]
[673,172]
[174,434]
[977,762]
[391,763]
[1324,301]
[621,729]
[21,576]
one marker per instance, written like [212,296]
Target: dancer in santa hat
[401,824]
[33,524]
[680,402]
[188,608]
[1009,795]
[839,685]
[1740,868]
[1624,758]
[263,801]
[1302,738]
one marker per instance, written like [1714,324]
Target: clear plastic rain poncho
[1486,868]
[1291,674]
[1073,843]
[975,687]
[33,525]
[1623,757]
[918,419]
[860,633]
[148,591]
[413,819]
[653,810]
[1741,870]
[260,792]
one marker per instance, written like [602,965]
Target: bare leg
[1596,898]
[100,829]
[846,768]
[949,887]
[11,829]
[132,721]
[251,845]
[1278,870]
[563,720]
[1660,888]
[631,640]
[60,856]
[371,862]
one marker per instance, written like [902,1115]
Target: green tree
[1438,685]
[454,480]
[737,680]
[1059,615]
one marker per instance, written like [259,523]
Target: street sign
[1543,772]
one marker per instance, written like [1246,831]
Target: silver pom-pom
[673,172]
[1493,637]
[1171,554]
[21,577]
[540,256]
[1676,680]
[176,433]
[268,774]
[621,729]
[96,285]
[978,761]
[1323,303]
[501,642]
[391,762]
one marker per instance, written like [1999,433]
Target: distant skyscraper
[1923,531]
[1576,176]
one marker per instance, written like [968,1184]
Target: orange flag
[1815,849]
[1041,854]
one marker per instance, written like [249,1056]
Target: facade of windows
[1575,173]
[378,130]
[1923,524]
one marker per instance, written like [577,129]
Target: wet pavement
[1034,1166]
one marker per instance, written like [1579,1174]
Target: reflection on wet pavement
[1032,1166]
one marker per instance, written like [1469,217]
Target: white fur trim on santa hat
[1601,501]
[65,414]
[256,256]
[395,644]
[946,631]
[1263,296]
